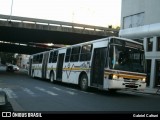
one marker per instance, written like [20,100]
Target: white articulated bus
[111,63]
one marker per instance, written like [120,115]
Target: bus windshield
[126,58]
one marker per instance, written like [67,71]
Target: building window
[158,43]
[133,20]
[149,44]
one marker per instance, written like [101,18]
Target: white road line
[71,89]
[29,92]
[87,92]
[10,93]
[56,88]
[69,92]
[46,91]
[79,91]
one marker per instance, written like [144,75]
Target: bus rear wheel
[84,82]
[112,90]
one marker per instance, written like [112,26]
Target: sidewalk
[147,91]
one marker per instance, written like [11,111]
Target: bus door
[30,66]
[44,64]
[97,69]
[59,67]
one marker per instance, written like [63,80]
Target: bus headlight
[115,77]
[144,80]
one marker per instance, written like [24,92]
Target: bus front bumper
[120,84]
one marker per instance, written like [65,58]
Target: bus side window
[111,57]
[68,52]
[86,53]
[37,59]
[40,58]
[55,55]
[34,58]
[51,57]
[75,54]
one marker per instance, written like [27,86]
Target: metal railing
[55,23]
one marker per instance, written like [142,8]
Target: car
[15,68]
[12,68]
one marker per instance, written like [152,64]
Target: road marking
[10,93]
[56,88]
[46,91]
[69,92]
[87,92]
[71,89]
[29,92]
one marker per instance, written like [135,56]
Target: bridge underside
[26,36]
[23,35]
[23,30]
[11,48]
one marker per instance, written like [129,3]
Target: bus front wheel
[84,82]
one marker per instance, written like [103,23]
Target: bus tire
[84,82]
[112,90]
[51,77]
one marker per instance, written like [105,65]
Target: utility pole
[11,10]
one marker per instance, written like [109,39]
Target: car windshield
[127,59]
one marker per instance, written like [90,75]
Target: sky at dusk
[92,12]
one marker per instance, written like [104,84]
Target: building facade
[140,20]
[23,60]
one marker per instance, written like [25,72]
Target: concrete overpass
[24,30]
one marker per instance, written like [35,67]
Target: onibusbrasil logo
[18,114]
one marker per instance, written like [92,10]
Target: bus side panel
[37,70]
[71,72]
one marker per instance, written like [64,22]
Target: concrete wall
[150,8]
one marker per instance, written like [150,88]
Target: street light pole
[11,10]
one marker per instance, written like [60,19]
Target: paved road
[28,94]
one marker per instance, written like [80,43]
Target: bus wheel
[112,90]
[52,77]
[84,82]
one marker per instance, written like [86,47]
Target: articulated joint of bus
[124,80]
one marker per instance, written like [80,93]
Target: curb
[142,92]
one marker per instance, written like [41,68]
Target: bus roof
[98,40]
[93,41]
